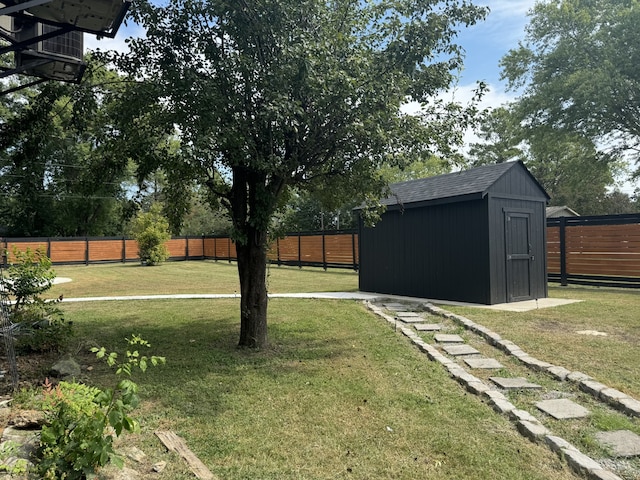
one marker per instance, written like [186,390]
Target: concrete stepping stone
[394,306]
[514,383]
[562,409]
[411,320]
[404,315]
[483,363]
[448,338]
[459,350]
[623,443]
[427,327]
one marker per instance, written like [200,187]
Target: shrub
[28,276]
[151,231]
[39,325]
[83,421]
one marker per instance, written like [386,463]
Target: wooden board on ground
[176,444]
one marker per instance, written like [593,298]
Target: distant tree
[60,173]
[617,202]
[579,68]
[567,165]
[202,219]
[419,168]
[151,231]
[270,97]
[306,212]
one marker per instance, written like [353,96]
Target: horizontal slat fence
[335,250]
[598,250]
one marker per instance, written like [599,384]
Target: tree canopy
[567,164]
[283,95]
[579,68]
[61,172]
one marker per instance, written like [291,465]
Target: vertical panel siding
[436,252]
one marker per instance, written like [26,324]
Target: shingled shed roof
[464,185]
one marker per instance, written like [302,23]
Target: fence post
[278,251]
[299,250]
[563,252]
[86,251]
[186,248]
[229,249]
[324,256]
[353,251]
[203,248]
[124,249]
[49,247]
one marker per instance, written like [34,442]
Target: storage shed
[475,236]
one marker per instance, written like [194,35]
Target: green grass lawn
[338,394]
[192,277]
[550,334]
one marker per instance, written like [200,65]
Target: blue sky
[484,44]
[487,42]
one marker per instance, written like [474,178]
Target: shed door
[519,255]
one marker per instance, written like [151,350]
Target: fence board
[196,247]
[23,246]
[306,249]
[597,250]
[68,251]
[105,250]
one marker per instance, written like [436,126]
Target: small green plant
[28,276]
[151,231]
[84,421]
[8,461]
[38,325]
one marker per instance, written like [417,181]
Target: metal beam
[24,85]
[20,7]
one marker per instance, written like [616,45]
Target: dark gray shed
[474,236]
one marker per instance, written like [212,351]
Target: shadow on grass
[199,340]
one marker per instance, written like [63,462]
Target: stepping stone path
[483,363]
[562,409]
[427,327]
[623,443]
[459,350]
[447,338]
[517,383]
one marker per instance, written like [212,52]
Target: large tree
[567,164]
[273,95]
[579,68]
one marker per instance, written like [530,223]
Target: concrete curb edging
[526,424]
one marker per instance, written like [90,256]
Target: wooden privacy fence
[328,250]
[598,250]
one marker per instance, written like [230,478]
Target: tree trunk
[252,269]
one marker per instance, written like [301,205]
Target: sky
[485,44]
